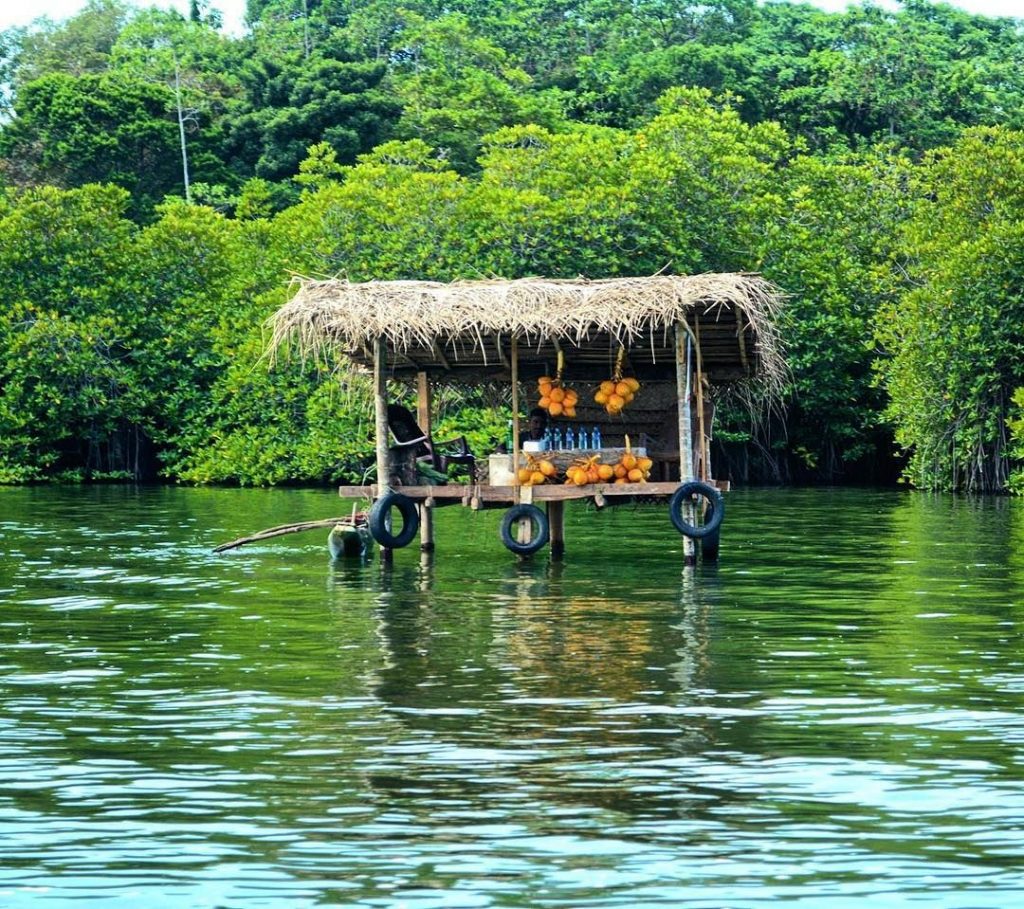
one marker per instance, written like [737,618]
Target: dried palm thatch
[325,318]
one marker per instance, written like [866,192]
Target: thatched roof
[467,325]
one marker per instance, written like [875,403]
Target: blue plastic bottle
[595,438]
[556,439]
[570,439]
[584,441]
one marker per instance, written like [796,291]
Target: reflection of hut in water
[538,639]
[681,339]
[543,692]
[607,644]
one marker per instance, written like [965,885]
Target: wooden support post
[556,524]
[685,430]
[515,419]
[423,418]
[426,528]
[703,467]
[424,403]
[524,530]
[524,527]
[380,401]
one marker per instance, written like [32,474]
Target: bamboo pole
[524,532]
[683,364]
[380,402]
[515,417]
[423,418]
[424,402]
[685,430]
[380,406]
[282,529]
[704,470]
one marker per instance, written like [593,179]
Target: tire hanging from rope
[380,520]
[714,511]
[512,518]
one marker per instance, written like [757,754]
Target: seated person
[538,425]
[535,429]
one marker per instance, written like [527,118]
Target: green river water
[833,716]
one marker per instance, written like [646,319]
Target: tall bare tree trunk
[181,129]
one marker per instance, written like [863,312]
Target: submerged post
[380,404]
[685,430]
[556,523]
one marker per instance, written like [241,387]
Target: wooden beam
[561,492]
[355,492]
[441,358]
[456,493]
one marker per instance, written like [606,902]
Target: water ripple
[270,730]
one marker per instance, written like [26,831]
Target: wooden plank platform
[475,496]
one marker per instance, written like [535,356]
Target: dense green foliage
[957,341]
[160,182]
[1015,423]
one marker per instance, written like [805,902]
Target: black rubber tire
[379,520]
[713,513]
[512,517]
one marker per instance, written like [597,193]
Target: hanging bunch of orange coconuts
[615,393]
[554,397]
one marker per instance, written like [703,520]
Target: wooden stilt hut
[680,337]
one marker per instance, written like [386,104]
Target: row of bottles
[572,440]
[567,440]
